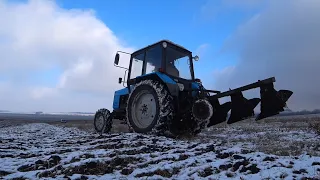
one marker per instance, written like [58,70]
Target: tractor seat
[172,70]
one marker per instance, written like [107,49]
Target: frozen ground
[272,149]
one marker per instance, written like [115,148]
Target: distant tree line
[303,112]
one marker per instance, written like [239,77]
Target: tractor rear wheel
[103,121]
[149,105]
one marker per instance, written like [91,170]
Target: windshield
[178,63]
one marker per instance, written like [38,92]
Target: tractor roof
[160,42]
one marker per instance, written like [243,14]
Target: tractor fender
[172,85]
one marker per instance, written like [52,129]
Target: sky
[57,56]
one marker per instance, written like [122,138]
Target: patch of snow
[42,151]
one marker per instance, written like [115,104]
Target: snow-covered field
[285,150]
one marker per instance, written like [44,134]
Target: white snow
[137,156]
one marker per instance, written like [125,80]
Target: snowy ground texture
[265,151]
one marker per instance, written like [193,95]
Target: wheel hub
[144,109]
[100,122]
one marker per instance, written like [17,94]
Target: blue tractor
[162,95]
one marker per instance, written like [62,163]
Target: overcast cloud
[281,41]
[38,36]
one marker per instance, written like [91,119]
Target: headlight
[164,44]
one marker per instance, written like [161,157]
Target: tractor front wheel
[149,105]
[103,121]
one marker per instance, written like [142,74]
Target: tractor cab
[164,57]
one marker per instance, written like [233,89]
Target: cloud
[202,50]
[38,37]
[243,4]
[41,92]
[213,9]
[282,41]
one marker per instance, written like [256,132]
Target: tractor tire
[189,125]
[103,121]
[194,127]
[202,123]
[149,108]
[198,128]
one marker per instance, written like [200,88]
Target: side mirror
[116,59]
[120,80]
[196,58]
